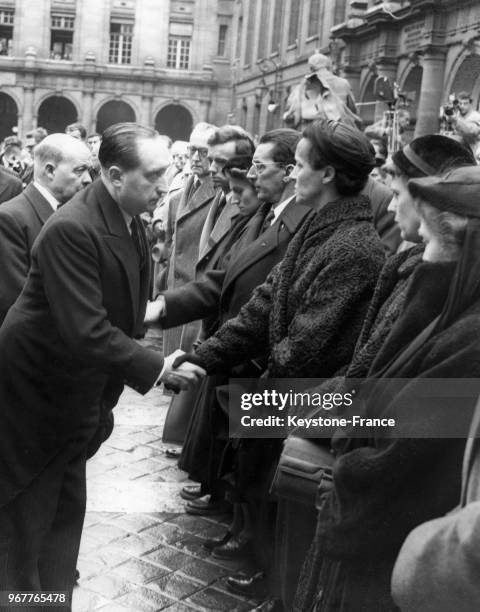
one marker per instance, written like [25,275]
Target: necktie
[267,222]
[138,242]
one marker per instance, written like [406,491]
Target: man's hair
[203,128]
[38,134]
[119,145]
[464,95]
[285,142]
[438,153]
[93,135]
[54,148]
[343,147]
[233,133]
[76,126]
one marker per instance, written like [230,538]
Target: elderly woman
[307,315]
[385,487]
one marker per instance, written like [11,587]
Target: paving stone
[199,526]
[85,601]
[109,585]
[88,567]
[137,544]
[175,585]
[144,437]
[140,571]
[135,522]
[173,474]
[145,600]
[145,452]
[115,607]
[180,607]
[106,532]
[202,571]
[193,545]
[109,556]
[213,599]
[168,557]
[165,533]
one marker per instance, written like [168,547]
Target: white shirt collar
[51,199]
[278,209]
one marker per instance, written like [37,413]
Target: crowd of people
[312,254]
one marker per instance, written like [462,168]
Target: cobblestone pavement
[140,552]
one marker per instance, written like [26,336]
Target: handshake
[180,372]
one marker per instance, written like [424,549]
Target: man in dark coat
[221,292]
[10,185]
[66,350]
[61,169]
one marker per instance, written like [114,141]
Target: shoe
[77,576]
[203,506]
[249,586]
[237,547]
[190,492]
[269,605]
[173,453]
[211,544]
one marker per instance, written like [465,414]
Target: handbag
[304,472]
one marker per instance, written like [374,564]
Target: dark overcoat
[21,220]
[66,345]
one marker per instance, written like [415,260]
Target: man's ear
[115,175]
[50,170]
[288,171]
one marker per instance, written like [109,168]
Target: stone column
[27,118]
[431,92]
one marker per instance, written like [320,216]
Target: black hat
[458,191]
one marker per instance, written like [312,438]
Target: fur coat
[309,312]
[385,487]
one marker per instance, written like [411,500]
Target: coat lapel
[291,217]
[41,207]
[120,244]
[222,226]
[200,197]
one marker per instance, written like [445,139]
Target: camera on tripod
[451,107]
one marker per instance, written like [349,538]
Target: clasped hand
[181,377]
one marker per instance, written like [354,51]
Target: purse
[304,472]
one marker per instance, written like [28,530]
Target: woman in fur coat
[385,486]
[307,315]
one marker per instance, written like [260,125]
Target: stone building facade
[430,48]
[159,62]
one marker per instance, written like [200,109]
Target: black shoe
[173,453]
[190,492]
[211,544]
[237,547]
[77,576]
[248,586]
[203,506]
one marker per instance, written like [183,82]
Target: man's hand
[184,376]
[155,311]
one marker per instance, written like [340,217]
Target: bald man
[61,168]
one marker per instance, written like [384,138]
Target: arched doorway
[366,108]
[174,121]
[466,78]
[411,89]
[115,111]
[8,115]
[55,113]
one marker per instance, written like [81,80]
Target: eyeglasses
[202,151]
[260,167]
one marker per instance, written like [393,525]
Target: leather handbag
[304,473]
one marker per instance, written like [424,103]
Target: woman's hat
[458,191]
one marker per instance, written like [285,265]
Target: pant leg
[40,529]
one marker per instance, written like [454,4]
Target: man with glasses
[222,292]
[187,211]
